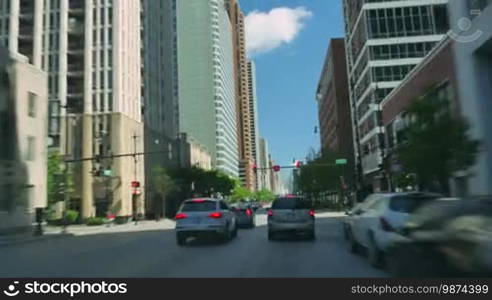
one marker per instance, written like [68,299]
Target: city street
[154,253]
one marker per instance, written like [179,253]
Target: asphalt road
[154,253]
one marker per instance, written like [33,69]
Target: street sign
[341,162]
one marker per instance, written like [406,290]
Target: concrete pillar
[87,205]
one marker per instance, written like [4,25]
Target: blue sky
[287,76]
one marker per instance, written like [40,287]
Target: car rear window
[408,204]
[199,206]
[291,203]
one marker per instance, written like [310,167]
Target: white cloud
[268,31]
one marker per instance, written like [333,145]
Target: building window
[31,148]
[31,105]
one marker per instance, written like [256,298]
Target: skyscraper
[384,41]
[244,93]
[264,165]
[207,106]
[253,115]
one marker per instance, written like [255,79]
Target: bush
[95,221]
[122,220]
[72,216]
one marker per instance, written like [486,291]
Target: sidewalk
[54,232]
[145,225]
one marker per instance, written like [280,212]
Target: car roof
[202,199]
[394,194]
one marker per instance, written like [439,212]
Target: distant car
[291,214]
[245,215]
[255,205]
[204,217]
[375,223]
[446,238]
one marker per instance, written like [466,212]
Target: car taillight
[270,213]
[311,213]
[215,215]
[248,212]
[385,225]
[181,216]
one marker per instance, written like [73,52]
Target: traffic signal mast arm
[113,156]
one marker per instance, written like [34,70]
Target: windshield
[199,206]
[408,204]
[291,203]
[312,130]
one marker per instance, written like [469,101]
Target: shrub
[95,221]
[72,216]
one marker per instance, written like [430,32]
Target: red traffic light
[135,184]
[255,168]
[276,168]
[298,164]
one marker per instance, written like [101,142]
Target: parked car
[375,223]
[291,214]
[203,217]
[245,215]
[448,237]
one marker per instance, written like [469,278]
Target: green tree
[58,182]
[435,143]
[264,195]
[320,174]
[203,181]
[162,182]
[240,193]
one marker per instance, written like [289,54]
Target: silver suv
[205,216]
[291,214]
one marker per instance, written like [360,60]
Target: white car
[376,223]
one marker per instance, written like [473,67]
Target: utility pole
[135,199]
[65,194]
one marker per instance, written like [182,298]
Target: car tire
[374,255]
[353,247]
[271,235]
[234,232]
[312,235]
[180,239]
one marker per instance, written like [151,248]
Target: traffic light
[298,164]
[276,168]
[135,184]
[255,168]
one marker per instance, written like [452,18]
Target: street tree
[435,143]
[163,184]
[59,182]
[264,195]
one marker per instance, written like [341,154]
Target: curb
[33,239]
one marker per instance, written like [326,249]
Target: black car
[446,238]
[245,215]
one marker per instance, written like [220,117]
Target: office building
[253,116]
[384,41]
[264,165]
[91,52]
[23,154]
[471,29]
[335,120]
[206,89]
